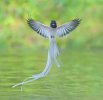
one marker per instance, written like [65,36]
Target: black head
[53,24]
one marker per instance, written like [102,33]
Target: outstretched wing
[39,28]
[67,27]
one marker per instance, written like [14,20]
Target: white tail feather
[52,54]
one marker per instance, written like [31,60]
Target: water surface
[80,76]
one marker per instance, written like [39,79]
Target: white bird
[51,33]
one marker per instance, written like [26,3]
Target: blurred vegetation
[15,33]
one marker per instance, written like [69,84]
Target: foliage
[14,31]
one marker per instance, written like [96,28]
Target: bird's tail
[54,52]
[52,55]
[37,76]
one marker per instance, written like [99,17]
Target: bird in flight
[50,33]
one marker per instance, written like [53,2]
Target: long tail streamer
[53,52]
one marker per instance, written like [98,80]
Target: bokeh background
[15,33]
[23,52]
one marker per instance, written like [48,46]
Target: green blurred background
[24,53]
[15,33]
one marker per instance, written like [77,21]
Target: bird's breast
[52,33]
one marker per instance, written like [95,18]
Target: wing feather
[39,28]
[67,27]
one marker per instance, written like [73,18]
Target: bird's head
[53,24]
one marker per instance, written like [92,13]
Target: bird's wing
[39,28]
[67,27]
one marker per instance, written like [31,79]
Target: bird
[50,32]
[53,30]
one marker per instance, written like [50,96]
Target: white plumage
[51,33]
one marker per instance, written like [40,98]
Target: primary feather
[67,27]
[39,28]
